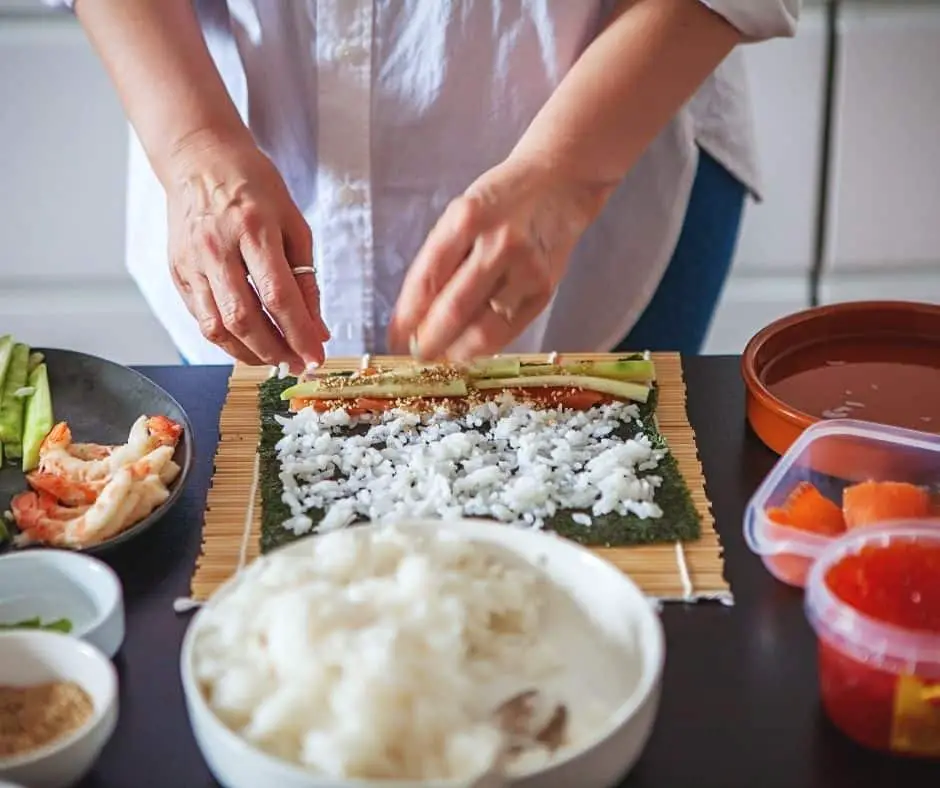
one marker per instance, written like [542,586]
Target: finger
[202,306]
[298,246]
[310,293]
[495,259]
[445,249]
[490,332]
[263,253]
[242,313]
[509,297]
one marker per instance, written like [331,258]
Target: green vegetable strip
[6,353]
[35,359]
[11,408]
[38,420]
[59,625]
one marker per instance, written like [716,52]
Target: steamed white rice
[379,653]
[503,460]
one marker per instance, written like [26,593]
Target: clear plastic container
[832,455]
[879,683]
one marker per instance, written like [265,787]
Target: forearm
[157,58]
[624,89]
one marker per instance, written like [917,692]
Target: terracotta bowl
[876,361]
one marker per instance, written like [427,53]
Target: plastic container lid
[864,638]
[832,455]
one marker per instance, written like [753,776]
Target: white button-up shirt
[379,112]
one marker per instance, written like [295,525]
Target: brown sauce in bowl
[889,380]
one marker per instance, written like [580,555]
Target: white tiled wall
[63,141]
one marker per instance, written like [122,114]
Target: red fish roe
[897,584]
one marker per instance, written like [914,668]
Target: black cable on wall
[827,132]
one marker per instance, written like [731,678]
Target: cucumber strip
[394,389]
[501,367]
[38,419]
[6,353]
[11,408]
[35,359]
[616,388]
[633,370]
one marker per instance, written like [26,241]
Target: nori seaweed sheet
[680,520]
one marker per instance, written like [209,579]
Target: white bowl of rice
[375,655]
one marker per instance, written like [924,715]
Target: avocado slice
[616,388]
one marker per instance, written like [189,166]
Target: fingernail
[312,366]
[413,349]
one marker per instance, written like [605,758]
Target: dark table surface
[740,701]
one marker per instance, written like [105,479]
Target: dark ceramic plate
[100,400]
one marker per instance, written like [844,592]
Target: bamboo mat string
[250,511]
[688,590]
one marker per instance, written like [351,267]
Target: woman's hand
[230,216]
[491,264]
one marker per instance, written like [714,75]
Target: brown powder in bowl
[32,717]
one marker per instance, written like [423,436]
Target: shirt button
[351,195]
[350,53]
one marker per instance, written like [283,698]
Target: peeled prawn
[73,493]
[58,455]
[129,496]
[37,516]
[151,493]
[64,490]
[170,471]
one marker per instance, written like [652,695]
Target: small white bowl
[616,605]
[32,657]
[54,584]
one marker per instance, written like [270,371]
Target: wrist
[187,152]
[582,197]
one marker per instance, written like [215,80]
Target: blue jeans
[680,312]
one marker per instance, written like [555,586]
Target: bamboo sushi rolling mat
[689,571]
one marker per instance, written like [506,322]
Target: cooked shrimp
[169,473]
[73,493]
[57,455]
[29,508]
[64,490]
[43,521]
[164,431]
[90,451]
[151,493]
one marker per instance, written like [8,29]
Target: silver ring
[304,269]
[500,310]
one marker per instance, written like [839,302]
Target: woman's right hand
[231,216]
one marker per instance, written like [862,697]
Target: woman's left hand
[491,264]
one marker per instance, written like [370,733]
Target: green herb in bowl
[59,625]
